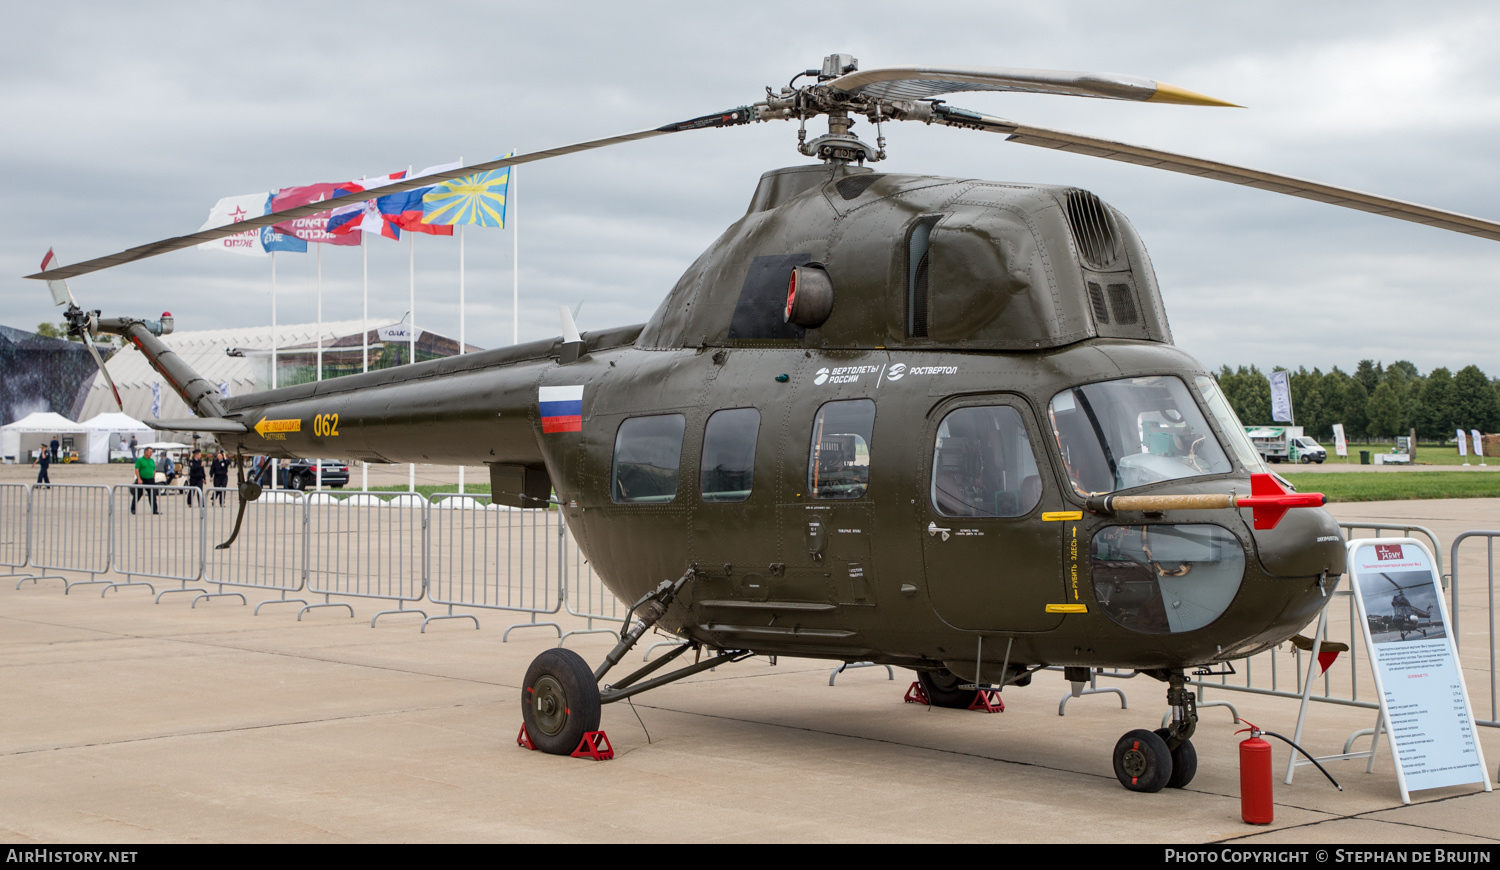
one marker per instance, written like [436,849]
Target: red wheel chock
[988,701]
[523,739]
[915,695]
[595,745]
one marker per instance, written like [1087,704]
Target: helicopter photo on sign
[1401,606]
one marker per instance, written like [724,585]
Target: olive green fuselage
[877,586]
[947,294]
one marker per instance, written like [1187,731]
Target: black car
[303,473]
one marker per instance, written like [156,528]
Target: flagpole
[275,343]
[318,478]
[411,263]
[462,346]
[515,259]
[364,340]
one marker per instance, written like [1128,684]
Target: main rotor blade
[1272,181]
[922,82]
[733,117]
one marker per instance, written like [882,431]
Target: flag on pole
[1281,396]
[314,228]
[1477,444]
[232,210]
[363,216]
[1463,444]
[473,199]
[273,241]
[405,209]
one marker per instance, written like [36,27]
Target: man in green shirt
[145,482]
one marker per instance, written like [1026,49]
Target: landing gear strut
[562,698]
[1149,761]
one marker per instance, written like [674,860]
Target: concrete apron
[125,721]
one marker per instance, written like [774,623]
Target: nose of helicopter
[1307,542]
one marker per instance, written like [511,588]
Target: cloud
[124,124]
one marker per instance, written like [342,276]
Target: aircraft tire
[942,688]
[1184,762]
[559,701]
[1142,761]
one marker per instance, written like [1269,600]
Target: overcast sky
[121,124]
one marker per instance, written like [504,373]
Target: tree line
[1375,401]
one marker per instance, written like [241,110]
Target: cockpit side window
[983,465]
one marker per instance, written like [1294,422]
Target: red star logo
[238,214]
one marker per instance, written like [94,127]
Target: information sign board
[1423,699]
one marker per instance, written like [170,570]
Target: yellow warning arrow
[265,426]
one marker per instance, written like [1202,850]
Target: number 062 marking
[326,425]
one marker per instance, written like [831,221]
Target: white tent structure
[37,430]
[110,433]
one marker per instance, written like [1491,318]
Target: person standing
[219,471]
[55,444]
[44,459]
[145,482]
[132,448]
[196,478]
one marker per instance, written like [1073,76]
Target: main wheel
[942,688]
[1142,761]
[1184,761]
[559,701]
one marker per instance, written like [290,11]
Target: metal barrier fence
[587,595]
[166,542]
[1489,539]
[15,510]
[456,551]
[268,554]
[1403,531]
[366,545]
[1284,675]
[61,517]
[496,558]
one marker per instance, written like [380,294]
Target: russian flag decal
[561,408]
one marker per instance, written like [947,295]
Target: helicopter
[932,422]
[1406,618]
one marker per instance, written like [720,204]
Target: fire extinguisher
[1256,804]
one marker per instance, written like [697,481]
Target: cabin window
[648,452]
[727,472]
[838,464]
[983,465]
[1133,432]
[918,266]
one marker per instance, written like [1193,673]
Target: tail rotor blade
[88,341]
[61,295]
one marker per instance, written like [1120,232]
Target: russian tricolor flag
[561,408]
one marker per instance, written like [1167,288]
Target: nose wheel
[1149,761]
